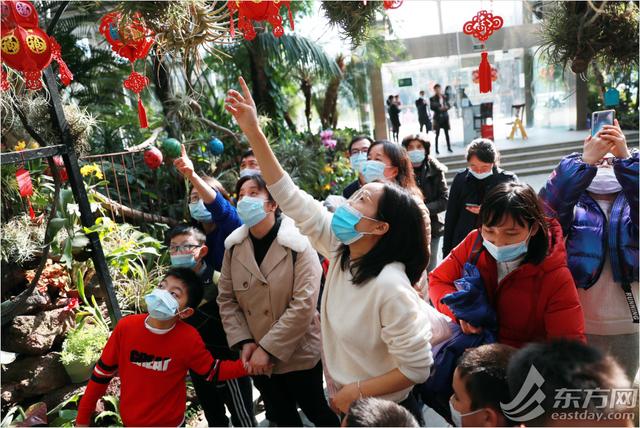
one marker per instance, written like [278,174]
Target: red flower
[73,303]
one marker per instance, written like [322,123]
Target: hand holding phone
[601,118]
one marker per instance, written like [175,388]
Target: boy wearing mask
[480,385]
[152,353]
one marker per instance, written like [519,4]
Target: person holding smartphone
[594,195]
[468,190]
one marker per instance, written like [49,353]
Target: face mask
[416,156]
[251,210]
[249,171]
[480,176]
[373,170]
[456,416]
[199,212]
[161,305]
[357,161]
[605,182]
[183,260]
[344,222]
[506,253]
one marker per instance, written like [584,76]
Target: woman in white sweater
[376,331]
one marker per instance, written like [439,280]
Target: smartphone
[472,205]
[601,118]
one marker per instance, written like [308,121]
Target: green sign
[405,82]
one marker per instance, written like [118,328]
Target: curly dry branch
[211,124]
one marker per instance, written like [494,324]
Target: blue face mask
[480,176]
[251,210]
[344,222]
[373,170]
[416,156]
[161,305]
[507,253]
[183,260]
[357,161]
[199,212]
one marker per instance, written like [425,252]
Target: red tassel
[484,74]
[291,16]
[66,76]
[32,213]
[5,82]
[142,114]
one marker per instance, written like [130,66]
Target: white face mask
[456,416]
[605,182]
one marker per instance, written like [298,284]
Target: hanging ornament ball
[171,148]
[215,146]
[153,158]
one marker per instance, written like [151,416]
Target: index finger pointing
[245,88]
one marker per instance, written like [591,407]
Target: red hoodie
[152,370]
[533,303]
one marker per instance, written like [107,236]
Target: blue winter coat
[584,225]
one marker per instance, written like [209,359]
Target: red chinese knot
[483,25]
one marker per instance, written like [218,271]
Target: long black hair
[520,202]
[404,242]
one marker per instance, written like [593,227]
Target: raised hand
[243,108]
[595,148]
[183,164]
[613,134]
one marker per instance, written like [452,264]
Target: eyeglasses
[357,152]
[607,161]
[183,248]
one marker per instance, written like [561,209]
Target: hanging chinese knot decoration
[482,26]
[258,10]
[25,186]
[25,47]
[131,41]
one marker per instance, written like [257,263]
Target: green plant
[113,415]
[85,342]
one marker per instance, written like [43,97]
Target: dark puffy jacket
[584,225]
[467,189]
[431,180]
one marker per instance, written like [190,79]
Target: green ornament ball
[172,148]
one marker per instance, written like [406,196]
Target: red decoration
[483,25]
[25,187]
[392,4]
[133,43]
[153,158]
[57,160]
[258,10]
[27,48]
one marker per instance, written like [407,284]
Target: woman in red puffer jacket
[523,265]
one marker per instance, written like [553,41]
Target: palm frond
[299,51]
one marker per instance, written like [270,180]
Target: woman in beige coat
[268,292]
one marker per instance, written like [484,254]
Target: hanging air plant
[354,18]
[578,33]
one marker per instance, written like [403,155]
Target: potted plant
[83,345]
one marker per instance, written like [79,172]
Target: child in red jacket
[152,353]
[523,265]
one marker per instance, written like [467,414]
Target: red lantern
[258,10]
[25,47]
[153,158]
[392,4]
[133,43]
[482,26]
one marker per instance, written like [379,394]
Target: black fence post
[80,194]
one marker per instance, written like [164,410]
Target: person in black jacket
[423,113]
[468,190]
[431,180]
[440,108]
[394,116]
